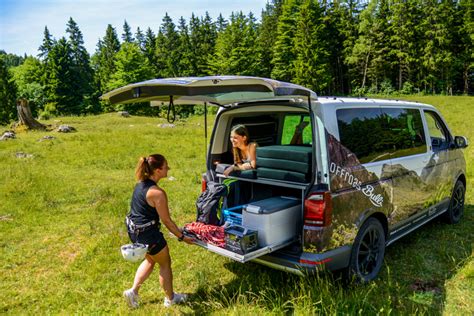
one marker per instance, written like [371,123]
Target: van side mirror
[461,141]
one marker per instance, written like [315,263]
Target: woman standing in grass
[150,205]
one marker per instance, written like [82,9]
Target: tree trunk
[25,117]
[465,76]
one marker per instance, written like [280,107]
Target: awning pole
[205,129]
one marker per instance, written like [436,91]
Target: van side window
[405,131]
[362,131]
[438,133]
[296,130]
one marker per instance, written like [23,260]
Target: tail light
[318,209]
[203,184]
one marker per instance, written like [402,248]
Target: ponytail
[147,165]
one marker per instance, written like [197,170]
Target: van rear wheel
[367,252]
[456,205]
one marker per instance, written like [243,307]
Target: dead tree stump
[25,118]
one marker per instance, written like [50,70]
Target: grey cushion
[283,164]
[284,175]
[286,152]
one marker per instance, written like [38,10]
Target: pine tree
[221,23]
[7,94]
[81,69]
[47,45]
[363,51]
[403,39]
[232,47]
[207,46]
[283,50]
[380,67]
[150,50]
[167,44]
[340,19]
[464,46]
[60,81]
[266,37]
[437,56]
[104,58]
[184,49]
[311,49]
[140,39]
[127,36]
[195,44]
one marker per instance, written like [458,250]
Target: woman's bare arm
[158,199]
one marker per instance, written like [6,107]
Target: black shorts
[152,237]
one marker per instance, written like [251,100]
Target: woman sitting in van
[245,153]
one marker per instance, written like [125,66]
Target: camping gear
[208,203]
[274,219]
[134,252]
[207,233]
[240,240]
[136,229]
[232,215]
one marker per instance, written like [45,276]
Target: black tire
[456,205]
[367,252]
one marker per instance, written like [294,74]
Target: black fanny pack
[133,228]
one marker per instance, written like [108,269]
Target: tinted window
[362,131]
[376,134]
[406,132]
[296,130]
[438,133]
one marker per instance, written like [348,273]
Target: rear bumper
[307,262]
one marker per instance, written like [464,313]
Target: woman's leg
[166,275]
[143,272]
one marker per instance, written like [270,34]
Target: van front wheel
[367,252]
[456,205]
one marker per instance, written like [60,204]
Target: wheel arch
[381,217]
[461,178]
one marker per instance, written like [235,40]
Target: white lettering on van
[368,190]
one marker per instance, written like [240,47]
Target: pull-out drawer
[245,257]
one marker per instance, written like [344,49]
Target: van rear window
[296,130]
[375,134]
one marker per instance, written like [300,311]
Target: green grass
[61,226]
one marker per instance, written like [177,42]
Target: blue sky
[22,22]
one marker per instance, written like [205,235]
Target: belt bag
[140,228]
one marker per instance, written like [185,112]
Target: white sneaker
[177,299]
[131,297]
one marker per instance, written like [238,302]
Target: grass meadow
[61,226]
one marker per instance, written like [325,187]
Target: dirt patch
[426,286]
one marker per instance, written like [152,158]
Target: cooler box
[275,219]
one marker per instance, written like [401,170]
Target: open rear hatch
[277,218]
[218,90]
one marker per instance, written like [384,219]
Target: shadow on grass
[413,279]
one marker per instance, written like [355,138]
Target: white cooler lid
[271,205]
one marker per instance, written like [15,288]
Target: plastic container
[233,215]
[275,219]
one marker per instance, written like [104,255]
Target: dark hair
[240,130]
[147,165]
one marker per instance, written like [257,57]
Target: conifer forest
[347,47]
